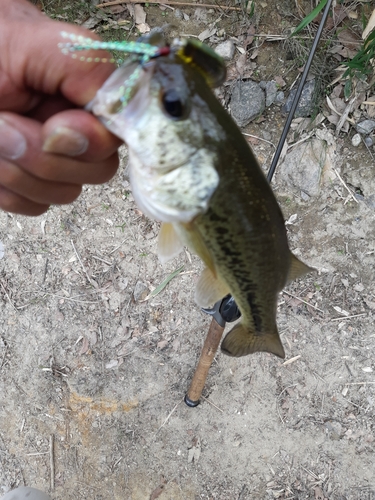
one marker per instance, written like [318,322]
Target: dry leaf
[162,344]
[139,14]
[90,23]
[195,451]
[319,495]
[370,109]
[341,311]
[367,369]
[85,346]
[241,64]
[254,54]
[117,9]
[348,39]
[207,33]
[143,28]
[112,364]
[292,219]
[250,37]
[370,26]
[280,81]
[157,492]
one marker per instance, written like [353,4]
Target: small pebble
[369,141]
[280,96]
[306,103]
[356,140]
[247,103]
[271,92]
[225,50]
[365,127]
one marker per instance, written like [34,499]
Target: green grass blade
[310,17]
[164,283]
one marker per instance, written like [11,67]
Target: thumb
[30,55]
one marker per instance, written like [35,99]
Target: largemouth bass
[192,169]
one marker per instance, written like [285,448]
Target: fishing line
[298,93]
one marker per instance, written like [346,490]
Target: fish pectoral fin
[241,340]
[169,244]
[297,269]
[195,242]
[209,289]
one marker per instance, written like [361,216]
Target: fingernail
[12,143]
[66,141]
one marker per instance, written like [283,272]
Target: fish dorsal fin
[209,289]
[169,244]
[242,340]
[297,268]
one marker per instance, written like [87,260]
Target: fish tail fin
[297,268]
[242,340]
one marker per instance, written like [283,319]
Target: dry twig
[213,404]
[80,261]
[342,318]
[52,462]
[345,186]
[169,416]
[185,4]
[7,296]
[304,301]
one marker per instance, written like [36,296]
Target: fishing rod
[226,310]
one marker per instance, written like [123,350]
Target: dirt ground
[93,376]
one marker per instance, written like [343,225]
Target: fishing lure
[192,52]
[144,51]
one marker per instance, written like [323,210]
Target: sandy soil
[93,376]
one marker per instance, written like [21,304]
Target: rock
[306,103]
[178,14]
[248,102]
[369,141]
[26,492]
[365,127]
[356,140]
[226,50]
[266,135]
[200,15]
[271,92]
[308,166]
[280,96]
[305,196]
[140,291]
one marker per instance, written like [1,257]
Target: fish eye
[173,104]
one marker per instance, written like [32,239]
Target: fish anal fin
[169,244]
[209,289]
[297,268]
[241,340]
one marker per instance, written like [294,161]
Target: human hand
[49,147]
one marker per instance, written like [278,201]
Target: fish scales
[191,168]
